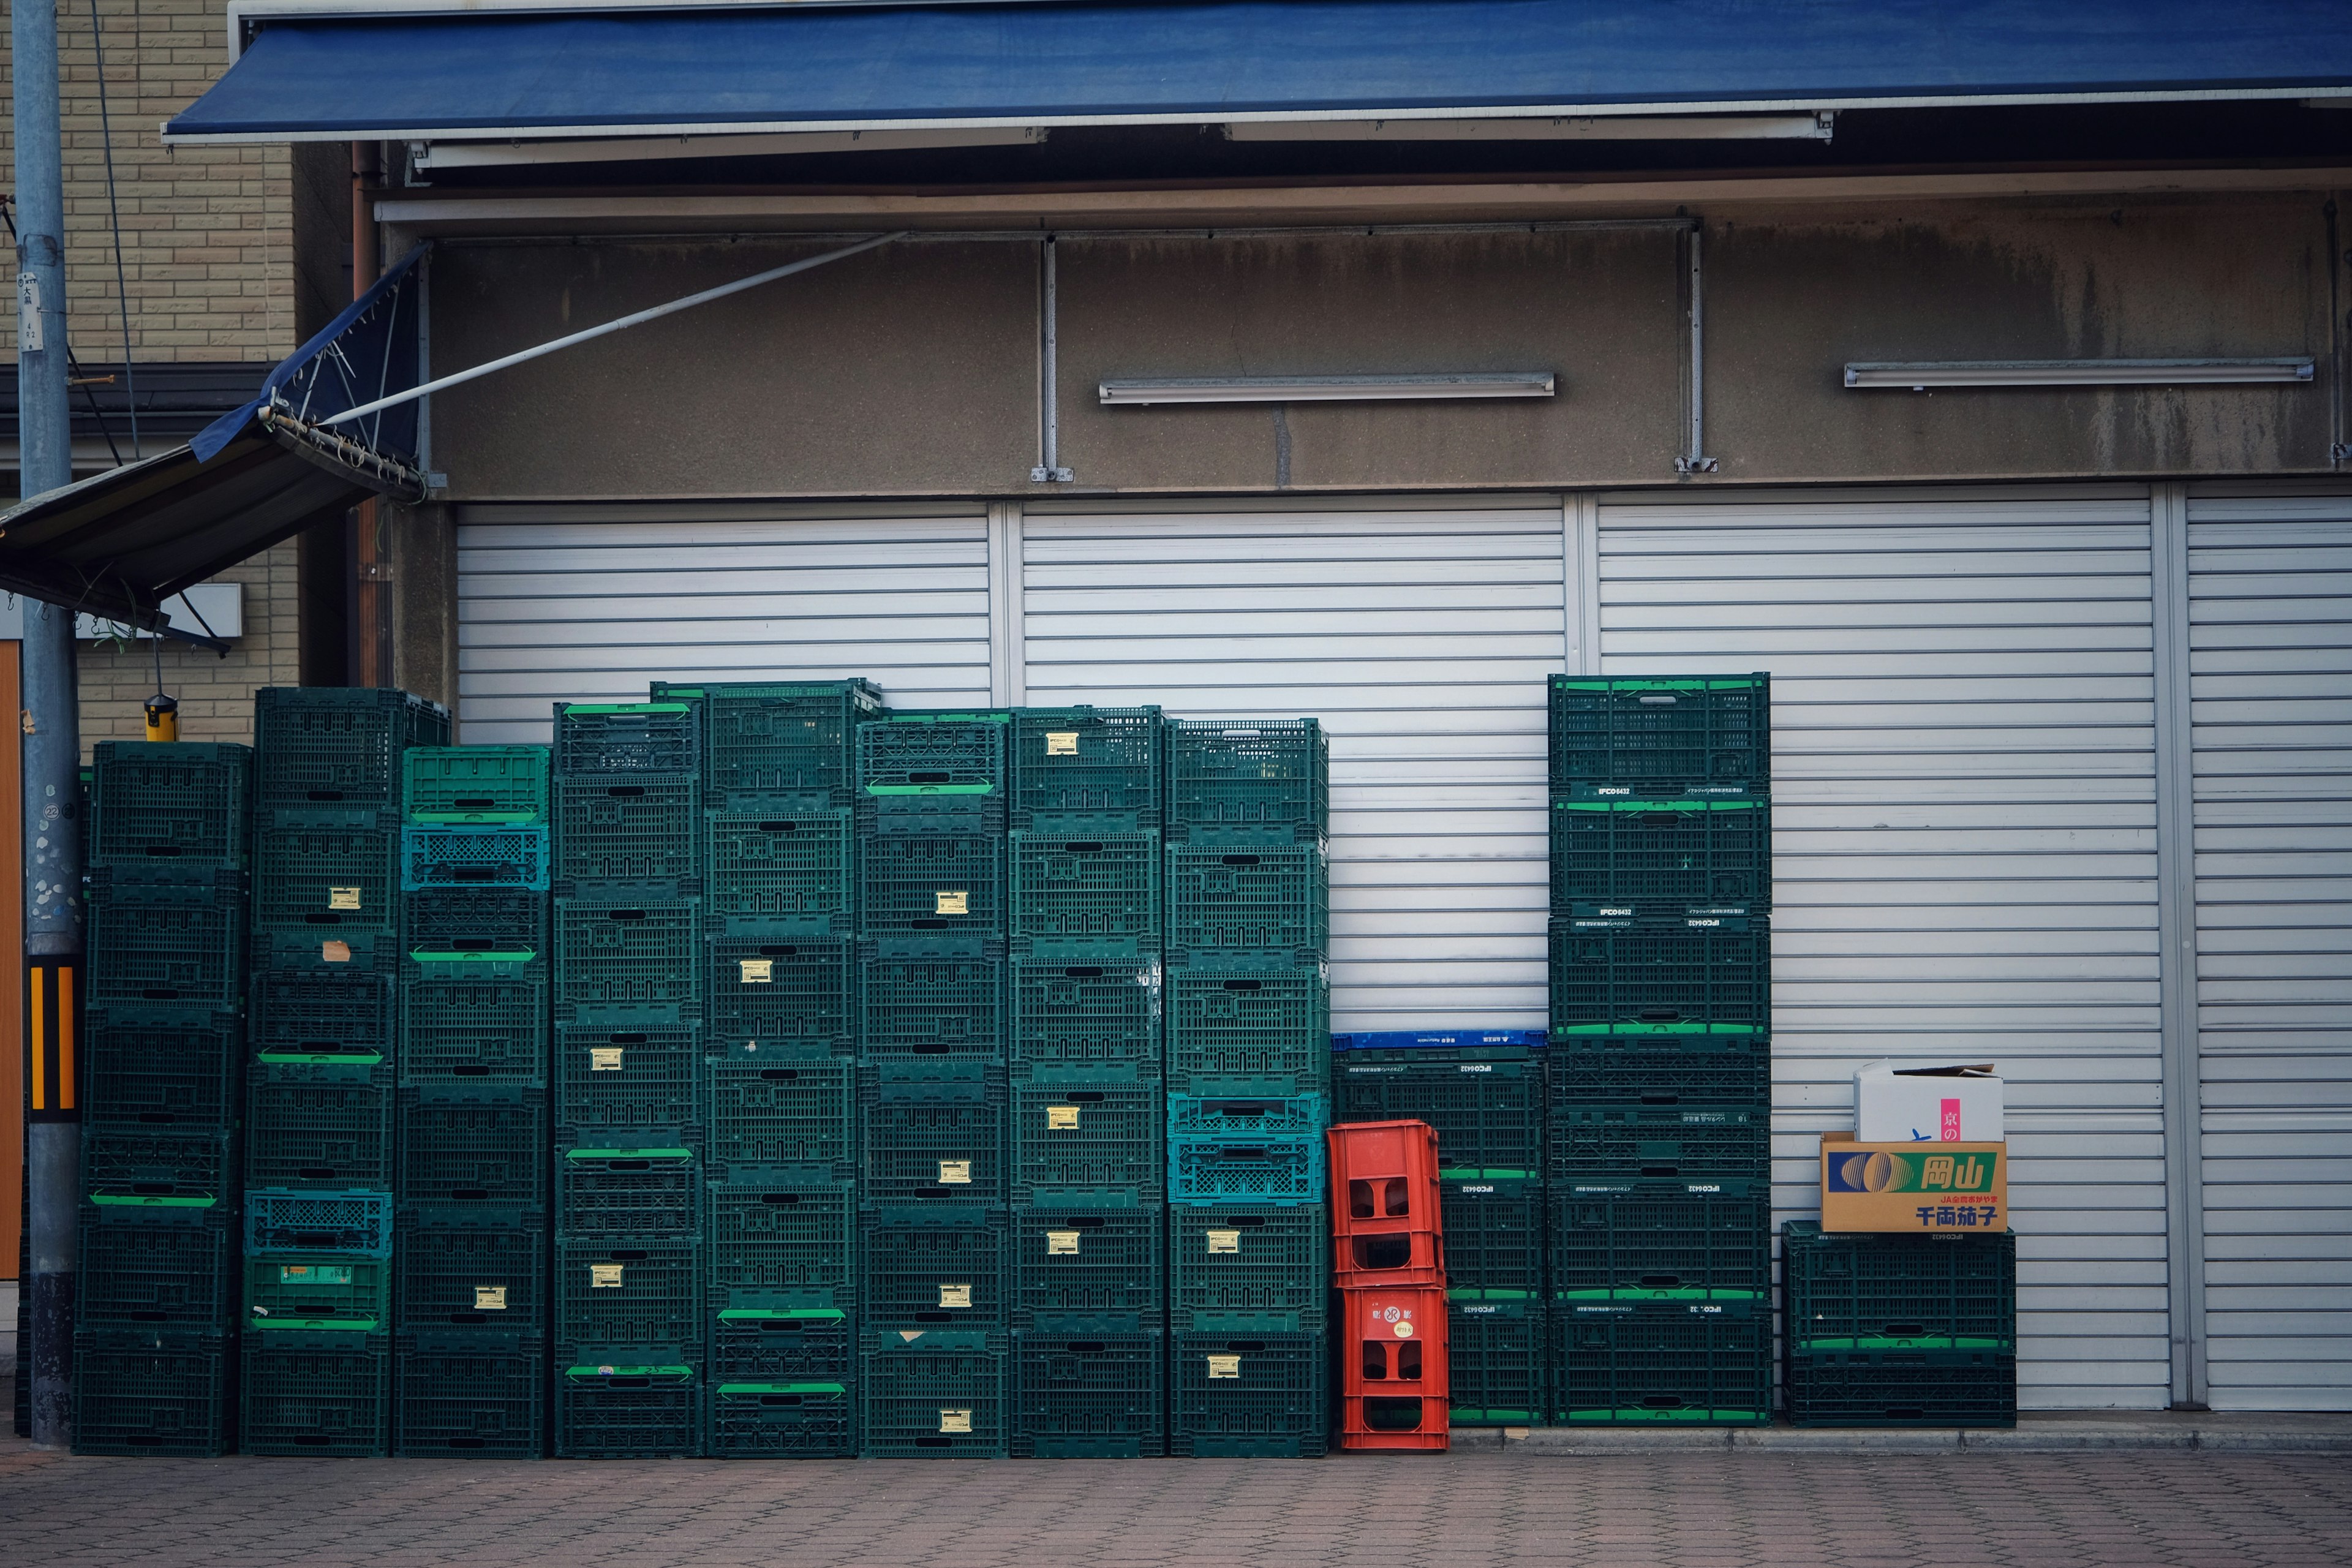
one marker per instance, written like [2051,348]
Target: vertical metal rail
[2339,446]
[1695,459]
[1049,469]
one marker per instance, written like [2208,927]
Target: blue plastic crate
[1437,1039]
[278,1219]
[1262,1170]
[1248,1116]
[454,856]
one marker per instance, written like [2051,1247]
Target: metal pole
[51,739]
[1695,460]
[1049,469]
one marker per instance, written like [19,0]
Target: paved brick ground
[2130,1509]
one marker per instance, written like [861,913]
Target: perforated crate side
[1248,1395]
[1487,1114]
[933,1127]
[1088,1129]
[469,1395]
[1081,1265]
[630,1290]
[330,1292]
[281,1219]
[1080,885]
[608,1187]
[1219,1169]
[1493,1232]
[783,1232]
[1660,1143]
[1866,1292]
[481,785]
[1249,1260]
[1666,1246]
[1098,1009]
[935,1265]
[143,952]
[618,1078]
[947,884]
[187,804]
[796,739]
[1247,772]
[123,1168]
[1089,1395]
[1497,1358]
[626,830]
[501,923]
[795,1113]
[1721,1064]
[1099,762]
[751,1420]
[772,860]
[325,1395]
[161,1269]
[1661,1365]
[1608,970]
[319,1124]
[332,878]
[434,855]
[338,745]
[472,1269]
[626,741]
[943,753]
[1247,1116]
[1224,897]
[141,1394]
[184,1072]
[1661,733]
[1228,1022]
[782,1344]
[781,994]
[947,1000]
[1662,856]
[632,961]
[327,1009]
[1899,1388]
[460,1143]
[469,1018]
[945,1393]
[652,1411]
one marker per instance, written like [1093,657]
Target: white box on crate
[1928,1105]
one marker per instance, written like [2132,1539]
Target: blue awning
[813,67]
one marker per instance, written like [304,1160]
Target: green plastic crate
[1266,1264]
[1599,1143]
[1101,765]
[324,1010]
[794,738]
[436,856]
[1497,1354]
[475,785]
[777,992]
[338,745]
[781,1343]
[317,1292]
[632,1188]
[933,1127]
[624,965]
[183,1071]
[167,1270]
[1089,1395]
[1661,736]
[783,1112]
[134,1168]
[1680,1365]
[935,1265]
[945,884]
[312,872]
[755,1419]
[1872,1292]
[941,1393]
[1251,773]
[325,951]
[1704,970]
[469,1016]
[1085,886]
[140,1393]
[1669,1245]
[781,1234]
[1249,1394]
[1933,1388]
[772,859]
[325,1395]
[617,1078]
[626,741]
[1716,1064]
[1086,1007]
[1664,856]
[631,1290]
[314,1122]
[1487,1103]
[472,1269]
[469,1395]
[628,1409]
[483,921]
[470,1143]
[1264,1022]
[643,833]
[1088,1129]
[1224,897]
[1089,1261]
[355,1219]
[185,803]
[181,946]
[1494,1222]
[941,755]
[932,996]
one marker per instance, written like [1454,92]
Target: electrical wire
[73,365]
[114,214]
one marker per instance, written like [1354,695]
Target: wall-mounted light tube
[1807,126]
[1920,377]
[1328,389]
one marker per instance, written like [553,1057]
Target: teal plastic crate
[794,739]
[483,921]
[313,871]
[184,1072]
[474,1143]
[776,990]
[626,741]
[940,1393]
[1087,1128]
[323,1010]
[620,831]
[1264,1264]
[134,1168]
[636,1406]
[1662,1366]
[323,1395]
[783,1234]
[1089,1261]
[633,1188]
[1662,1063]
[317,745]
[766,1113]
[1101,766]
[932,996]
[1700,970]
[145,1392]
[631,1290]
[469,1394]
[940,755]
[475,785]
[620,964]
[1661,736]
[1265,896]
[1249,774]
[1085,1006]
[184,803]
[1669,1245]
[166,1270]
[1853,1292]
[1079,884]
[278,1219]
[434,855]
[772,858]
[1089,1395]
[781,1342]
[472,1269]
[933,1127]
[1251,1170]
[1249,1394]
[621,1079]
[319,1122]
[752,1418]
[935,1265]
[1259,1021]
[1496,1355]
[317,1292]
[945,884]
[474,1016]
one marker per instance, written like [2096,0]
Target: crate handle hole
[157,1117]
[1660,1281]
[1244,986]
[780,1399]
[469,1317]
[468,1194]
[780,1197]
[1083,971]
[1245,1221]
[778,952]
[1085,1097]
[780,828]
[1241,860]
[1392,1414]
[1082,847]
[1656,700]
[318,1173]
[625,915]
[628,1039]
[1661,1402]
[467,1443]
[1409,1361]
[628,1257]
[1906,1413]
[1086,1222]
[928,778]
[474,873]
[934,1442]
[474,803]
[1245,1347]
[625,792]
[1661,1015]
[1661,1169]
[326,794]
[163,851]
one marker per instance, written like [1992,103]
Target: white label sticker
[955,1172]
[334,952]
[955,1420]
[911,1335]
[603,1276]
[1224,1241]
[342,897]
[1224,1366]
[955,1295]
[1061,1242]
[490,1297]
[1061,742]
[758,971]
[1404,1330]
[955,903]
[604,1058]
[1061,1117]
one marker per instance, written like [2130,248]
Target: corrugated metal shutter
[1420,632]
[1963,826]
[2269,589]
[591,603]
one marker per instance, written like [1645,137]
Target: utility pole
[50,732]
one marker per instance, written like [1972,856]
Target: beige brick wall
[216,694]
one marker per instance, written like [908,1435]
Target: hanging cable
[73,367]
[115,216]
[163,711]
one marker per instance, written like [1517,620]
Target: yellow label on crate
[758,971]
[1224,1366]
[1059,1242]
[603,1276]
[1061,742]
[955,1172]
[490,1297]
[955,1295]
[342,897]
[955,1420]
[1058,1117]
[955,903]
[1224,1241]
[604,1058]
[334,952]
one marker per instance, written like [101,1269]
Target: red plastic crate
[1395,1380]
[1384,1177]
[1365,1259]
[1414,1423]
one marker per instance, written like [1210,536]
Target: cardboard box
[1959,1188]
[1895,1104]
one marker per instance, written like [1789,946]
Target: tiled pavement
[1487,1510]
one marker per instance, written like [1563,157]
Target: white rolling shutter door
[1964,829]
[592,603]
[2271,715]
[1420,632]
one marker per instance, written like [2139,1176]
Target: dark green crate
[331,877]
[948,884]
[621,741]
[1487,1103]
[1249,1394]
[1247,772]
[604,1187]
[472,1143]
[478,786]
[636,831]
[1660,1143]
[798,1112]
[1660,736]
[625,964]
[324,1010]
[1239,1262]
[1663,1246]
[652,1293]
[187,803]
[141,1393]
[163,1071]
[773,858]
[328,745]
[935,1265]
[324,950]
[436,856]
[134,1168]
[941,755]
[469,1395]
[1081,885]
[1496,1355]
[1494,1223]
[1662,1366]
[1260,1020]
[752,1419]
[1082,1007]
[781,1233]
[167,946]
[627,1410]
[1937,1388]
[317,1292]
[1225,897]
[933,1127]
[1089,1395]
[326,1395]
[473,1016]
[775,991]
[319,1122]
[1719,1064]
[1087,1128]
[941,995]
[1663,856]
[475,920]
[945,1393]
[1084,764]
[796,739]
[1896,1291]
[472,1269]
[780,1343]
[162,1269]
[1702,971]
[615,1079]
[1089,1261]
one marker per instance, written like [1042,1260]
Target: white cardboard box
[1895,1104]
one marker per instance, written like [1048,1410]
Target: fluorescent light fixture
[430,155]
[1919,377]
[1809,127]
[1328,389]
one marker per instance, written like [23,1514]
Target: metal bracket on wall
[1694,460]
[1049,469]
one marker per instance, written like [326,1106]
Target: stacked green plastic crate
[321,1089]
[1893,1330]
[163,1060]
[1659,1049]
[776,1074]
[470,1297]
[1248,1029]
[629,1271]
[934,1247]
[1088,1184]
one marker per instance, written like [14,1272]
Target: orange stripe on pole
[40,1040]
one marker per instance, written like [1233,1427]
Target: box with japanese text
[1908,1187]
